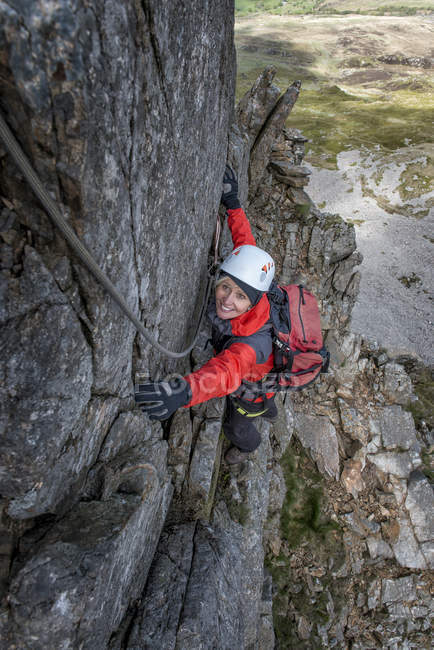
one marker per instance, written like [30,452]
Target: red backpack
[299,352]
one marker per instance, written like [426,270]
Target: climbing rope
[50,206]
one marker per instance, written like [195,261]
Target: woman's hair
[219,280]
[254,295]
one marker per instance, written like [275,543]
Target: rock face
[113,104]
[117,533]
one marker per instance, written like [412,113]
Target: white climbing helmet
[251,265]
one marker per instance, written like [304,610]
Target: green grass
[334,121]
[423,408]
[301,516]
[342,7]
[417,179]
[428,464]
[303,521]
[349,99]
[246,7]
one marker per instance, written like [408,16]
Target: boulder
[398,464]
[420,506]
[318,435]
[397,428]
[406,549]
[287,169]
[95,549]
[394,590]
[397,384]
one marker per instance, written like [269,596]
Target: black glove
[159,399]
[230,190]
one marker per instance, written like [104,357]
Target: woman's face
[230,300]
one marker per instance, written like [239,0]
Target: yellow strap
[250,415]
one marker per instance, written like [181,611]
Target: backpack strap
[326,359]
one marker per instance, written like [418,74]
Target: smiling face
[230,300]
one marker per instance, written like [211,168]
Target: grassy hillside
[294,7]
[352,96]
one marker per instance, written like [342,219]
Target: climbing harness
[50,206]
[248,414]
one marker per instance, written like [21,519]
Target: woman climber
[241,337]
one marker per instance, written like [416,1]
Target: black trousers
[240,429]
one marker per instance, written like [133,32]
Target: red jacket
[243,343]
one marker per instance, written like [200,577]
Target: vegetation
[301,517]
[350,98]
[304,525]
[343,7]
[337,120]
[410,280]
[423,409]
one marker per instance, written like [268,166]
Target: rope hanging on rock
[53,211]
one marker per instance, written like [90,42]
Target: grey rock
[285,168]
[214,586]
[130,429]
[374,594]
[332,241]
[34,288]
[427,549]
[354,523]
[359,524]
[344,275]
[399,611]
[420,506]
[113,104]
[398,464]
[381,359]
[266,637]
[51,402]
[419,611]
[397,384]
[304,628]
[48,337]
[398,589]
[277,490]
[255,106]
[74,463]
[302,201]
[180,440]
[338,353]
[282,430]
[378,548]
[96,549]
[397,428]
[318,434]
[263,145]
[353,422]
[202,462]
[406,549]
[157,620]
[254,487]
[225,574]
[251,113]
[292,181]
